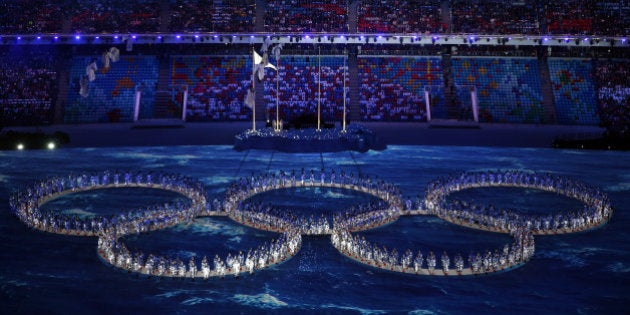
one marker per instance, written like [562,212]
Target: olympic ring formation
[597,212]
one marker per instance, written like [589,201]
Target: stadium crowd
[372,16]
[27,86]
[306,16]
[614,97]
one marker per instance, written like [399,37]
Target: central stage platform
[354,138]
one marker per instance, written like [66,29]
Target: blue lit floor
[586,273]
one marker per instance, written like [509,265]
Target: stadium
[292,156]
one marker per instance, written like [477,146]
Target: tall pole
[278,95]
[343,123]
[254,89]
[319,88]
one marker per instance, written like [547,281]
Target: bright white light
[77,37]
[20,146]
[51,145]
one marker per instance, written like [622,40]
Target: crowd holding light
[390,206]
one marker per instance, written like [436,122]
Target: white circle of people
[26,205]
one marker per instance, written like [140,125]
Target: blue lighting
[134,36]
[178,36]
[116,37]
[56,37]
[97,37]
[39,37]
[19,37]
[159,37]
[196,36]
[77,37]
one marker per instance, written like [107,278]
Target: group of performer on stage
[115,252]
[236,205]
[596,211]
[26,204]
[358,248]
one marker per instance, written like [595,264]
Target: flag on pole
[110,55]
[90,70]
[83,91]
[260,63]
[250,99]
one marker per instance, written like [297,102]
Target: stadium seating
[306,16]
[611,17]
[569,17]
[508,89]
[92,16]
[496,16]
[613,94]
[111,94]
[574,91]
[217,86]
[30,17]
[27,86]
[212,16]
[392,88]
[299,87]
[400,16]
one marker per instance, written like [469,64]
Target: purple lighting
[39,37]
[178,36]
[77,37]
[134,36]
